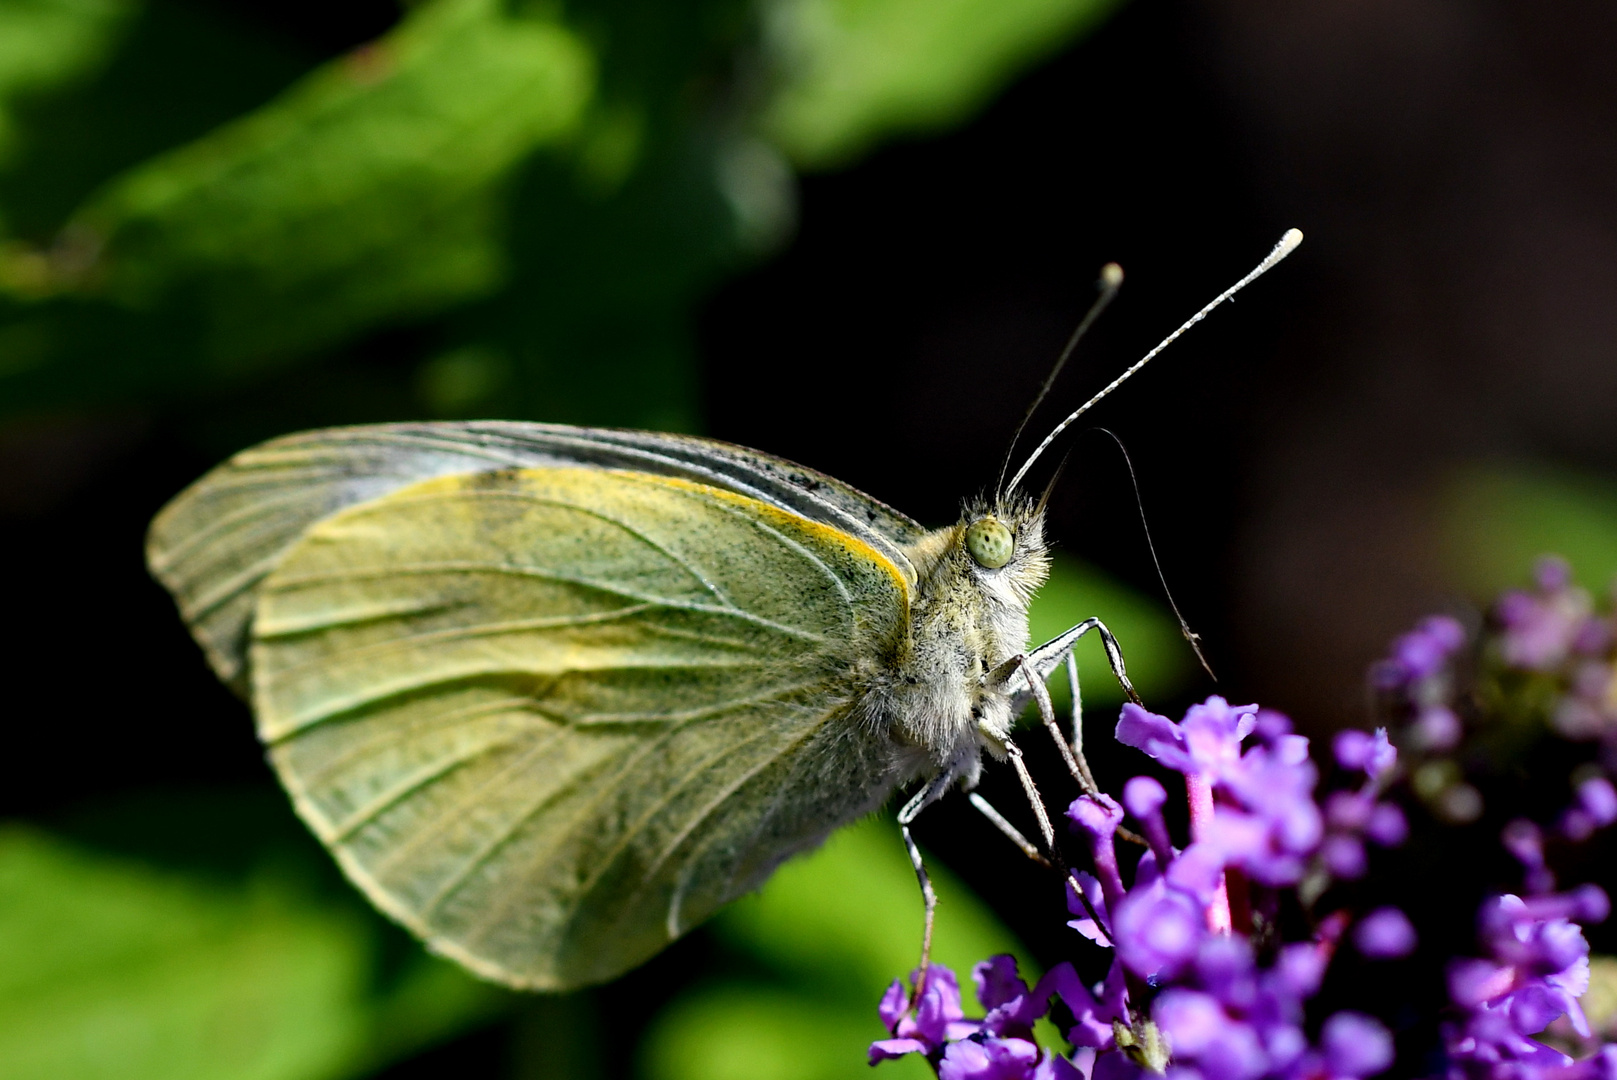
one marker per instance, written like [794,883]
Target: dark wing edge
[215,542]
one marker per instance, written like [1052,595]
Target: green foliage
[369,191]
[115,967]
[45,45]
[1497,520]
[544,190]
[145,77]
[736,1031]
[863,70]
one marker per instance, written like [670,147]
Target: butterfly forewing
[550,718]
[215,542]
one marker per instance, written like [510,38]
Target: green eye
[990,543]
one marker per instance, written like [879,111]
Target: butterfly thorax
[965,620]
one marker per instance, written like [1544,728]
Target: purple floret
[1385,934]
[1420,655]
[1355,1045]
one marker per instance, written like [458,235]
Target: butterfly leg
[906,816]
[1048,656]
[1036,801]
[1072,756]
[1034,674]
[1077,707]
[1012,833]
[1039,665]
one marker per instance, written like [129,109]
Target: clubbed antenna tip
[1288,243]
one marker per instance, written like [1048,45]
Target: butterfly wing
[550,718]
[215,542]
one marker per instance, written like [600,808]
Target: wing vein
[604,863]
[471,566]
[396,734]
[421,778]
[461,494]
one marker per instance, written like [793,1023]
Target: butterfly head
[1001,546]
[996,561]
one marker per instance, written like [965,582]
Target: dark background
[1453,166]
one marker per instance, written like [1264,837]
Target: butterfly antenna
[1111,278]
[1288,243]
[1191,636]
[1050,488]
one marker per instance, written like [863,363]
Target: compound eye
[991,544]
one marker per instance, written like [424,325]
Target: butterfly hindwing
[550,718]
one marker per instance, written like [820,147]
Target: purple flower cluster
[1221,1015]
[1262,818]
[1594,806]
[1553,629]
[1265,822]
[1548,651]
[1186,990]
[1200,983]
[1417,670]
[1000,1046]
[1544,627]
[1417,659]
[1231,1020]
[1352,817]
[1536,969]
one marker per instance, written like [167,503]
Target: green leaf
[46,44]
[141,77]
[849,916]
[596,326]
[113,970]
[116,968]
[1600,1000]
[1496,520]
[369,191]
[858,71]
[1160,661]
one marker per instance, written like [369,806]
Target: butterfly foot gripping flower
[1000,1046]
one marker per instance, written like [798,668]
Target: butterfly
[553,695]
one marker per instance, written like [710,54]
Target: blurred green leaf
[1600,1000]
[116,968]
[848,916]
[1160,661]
[45,44]
[597,323]
[834,928]
[1497,519]
[545,191]
[148,76]
[371,190]
[857,71]
[368,190]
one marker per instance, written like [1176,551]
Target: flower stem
[1200,793]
